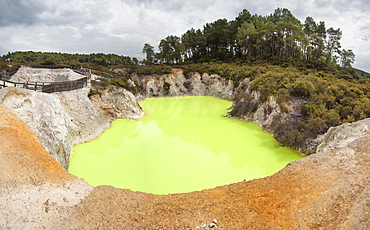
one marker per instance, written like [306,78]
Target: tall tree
[149,51]
[244,16]
[245,37]
[194,44]
[218,37]
[333,44]
[171,50]
[319,40]
[310,29]
[289,30]
[347,58]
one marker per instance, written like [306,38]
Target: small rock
[212,225]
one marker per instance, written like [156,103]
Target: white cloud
[123,26]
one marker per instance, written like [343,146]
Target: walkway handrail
[86,73]
[107,75]
[47,87]
[65,85]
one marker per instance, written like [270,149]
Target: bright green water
[182,144]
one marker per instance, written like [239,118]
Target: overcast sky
[123,26]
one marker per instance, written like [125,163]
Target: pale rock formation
[64,119]
[118,102]
[211,85]
[341,136]
[177,84]
[44,75]
[45,115]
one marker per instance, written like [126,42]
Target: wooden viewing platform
[51,87]
[47,87]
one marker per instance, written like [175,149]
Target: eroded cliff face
[117,102]
[177,84]
[45,115]
[35,190]
[62,120]
[274,115]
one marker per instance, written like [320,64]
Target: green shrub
[48,62]
[166,87]
[93,92]
[302,88]
[315,126]
[332,118]
[121,82]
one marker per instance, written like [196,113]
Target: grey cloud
[362,62]
[342,5]
[28,12]
[145,3]
[140,1]
[3,50]
[174,5]
[160,5]
[14,12]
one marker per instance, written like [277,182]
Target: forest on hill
[72,60]
[278,36]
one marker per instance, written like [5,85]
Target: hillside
[362,73]
[298,103]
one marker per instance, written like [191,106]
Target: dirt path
[324,191]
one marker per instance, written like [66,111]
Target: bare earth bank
[327,190]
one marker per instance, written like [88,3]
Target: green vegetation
[8,70]
[93,92]
[149,69]
[331,97]
[73,60]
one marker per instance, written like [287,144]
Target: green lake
[182,144]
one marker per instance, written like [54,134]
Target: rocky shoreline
[326,190]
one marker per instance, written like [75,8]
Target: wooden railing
[6,83]
[47,87]
[65,85]
[86,72]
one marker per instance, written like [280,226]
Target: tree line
[53,58]
[279,35]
